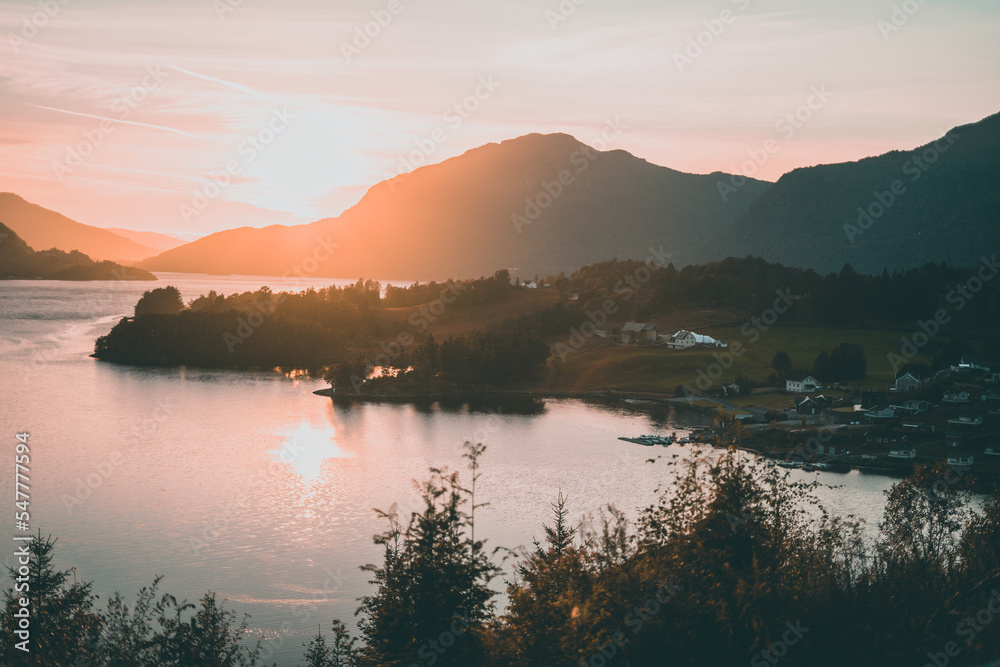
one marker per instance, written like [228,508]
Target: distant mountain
[42,228]
[536,204]
[153,240]
[19,261]
[938,202]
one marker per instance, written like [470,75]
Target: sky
[193,116]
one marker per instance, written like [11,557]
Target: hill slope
[19,261]
[42,228]
[154,240]
[497,206]
[944,208]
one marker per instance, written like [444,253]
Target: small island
[18,261]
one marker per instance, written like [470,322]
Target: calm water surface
[249,485]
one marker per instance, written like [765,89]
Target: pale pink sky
[222,77]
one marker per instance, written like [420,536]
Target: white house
[684,339]
[806,385]
[681,340]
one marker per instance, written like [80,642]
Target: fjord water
[249,485]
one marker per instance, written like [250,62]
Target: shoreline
[836,464]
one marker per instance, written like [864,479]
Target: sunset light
[482,333]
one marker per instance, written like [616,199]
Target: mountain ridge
[533,204]
[43,228]
[898,210]
[19,261]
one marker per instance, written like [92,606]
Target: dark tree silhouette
[781,363]
[160,301]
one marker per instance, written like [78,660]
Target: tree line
[734,563]
[846,299]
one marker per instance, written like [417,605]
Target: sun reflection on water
[306,448]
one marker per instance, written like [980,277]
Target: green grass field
[658,369]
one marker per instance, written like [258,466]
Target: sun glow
[307,448]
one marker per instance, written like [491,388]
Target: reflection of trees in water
[481,404]
[662,416]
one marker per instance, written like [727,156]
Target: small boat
[649,440]
[992,451]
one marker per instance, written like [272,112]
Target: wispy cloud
[132,122]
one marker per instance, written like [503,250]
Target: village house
[873,399]
[880,414]
[638,333]
[684,339]
[806,385]
[955,397]
[680,340]
[913,407]
[965,423]
[812,405]
[906,382]
[970,363]
[612,332]
[833,450]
